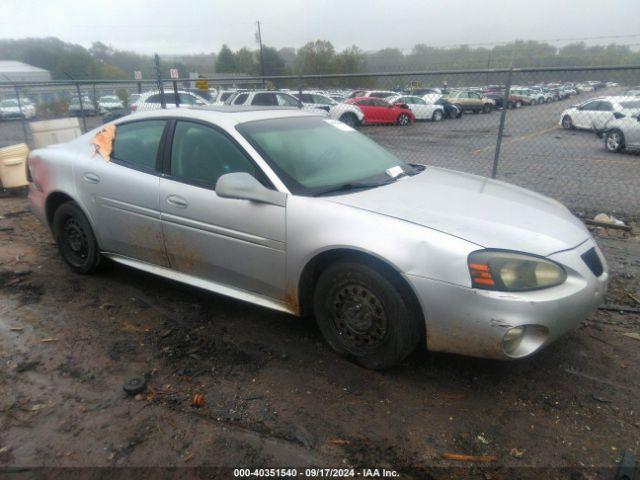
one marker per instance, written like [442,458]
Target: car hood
[489,213]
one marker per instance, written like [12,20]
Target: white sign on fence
[174,73]
[137,75]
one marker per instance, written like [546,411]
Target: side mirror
[242,186]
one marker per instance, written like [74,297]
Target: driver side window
[201,155]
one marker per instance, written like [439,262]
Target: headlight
[515,272]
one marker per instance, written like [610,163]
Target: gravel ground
[275,395]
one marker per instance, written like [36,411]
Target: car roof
[224,115]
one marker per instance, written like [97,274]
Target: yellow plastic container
[13,166]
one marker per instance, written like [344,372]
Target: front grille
[592,260]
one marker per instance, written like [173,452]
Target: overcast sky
[193,26]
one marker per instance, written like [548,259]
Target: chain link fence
[546,129]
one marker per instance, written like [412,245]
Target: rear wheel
[437,116]
[75,239]
[518,104]
[567,123]
[349,119]
[486,108]
[365,315]
[534,101]
[614,141]
[403,120]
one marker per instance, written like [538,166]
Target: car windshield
[109,98]
[314,155]
[9,103]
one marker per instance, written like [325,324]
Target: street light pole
[264,84]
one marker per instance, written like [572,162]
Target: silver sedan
[303,214]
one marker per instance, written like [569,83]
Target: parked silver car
[300,213]
[622,132]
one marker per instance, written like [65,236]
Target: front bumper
[473,322]
[37,203]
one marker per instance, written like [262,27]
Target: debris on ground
[608,219]
[135,385]
[516,453]
[198,400]
[469,458]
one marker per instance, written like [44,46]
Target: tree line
[70,61]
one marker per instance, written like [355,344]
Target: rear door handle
[91,177]
[177,201]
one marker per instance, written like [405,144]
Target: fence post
[175,92]
[503,116]
[139,88]
[23,120]
[84,119]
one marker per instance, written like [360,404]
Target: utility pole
[264,83]
[156,60]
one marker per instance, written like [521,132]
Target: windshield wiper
[356,186]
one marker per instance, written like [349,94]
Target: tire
[614,141]
[75,239]
[486,108]
[437,116]
[403,120]
[365,315]
[349,119]
[518,104]
[534,101]
[567,123]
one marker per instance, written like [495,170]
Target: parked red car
[377,110]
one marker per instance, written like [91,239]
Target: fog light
[523,340]
[511,340]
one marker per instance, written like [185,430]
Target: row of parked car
[366,107]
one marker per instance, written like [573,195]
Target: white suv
[153,101]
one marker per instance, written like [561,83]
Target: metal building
[13,71]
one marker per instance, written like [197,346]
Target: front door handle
[91,177]
[177,201]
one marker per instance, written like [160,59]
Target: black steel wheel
[75,238]
[365,315]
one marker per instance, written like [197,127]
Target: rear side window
[169,97]
[201,155]
[266,99]
[137,143]
[240,99]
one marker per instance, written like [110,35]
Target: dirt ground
[275,395]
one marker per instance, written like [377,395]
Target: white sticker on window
[394,171]
[339,125]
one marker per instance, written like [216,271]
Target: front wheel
[614,141]
[75,239]
[486,108]
[567,123]
[364,315]
[518,104]
[534,102]
[403,120]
